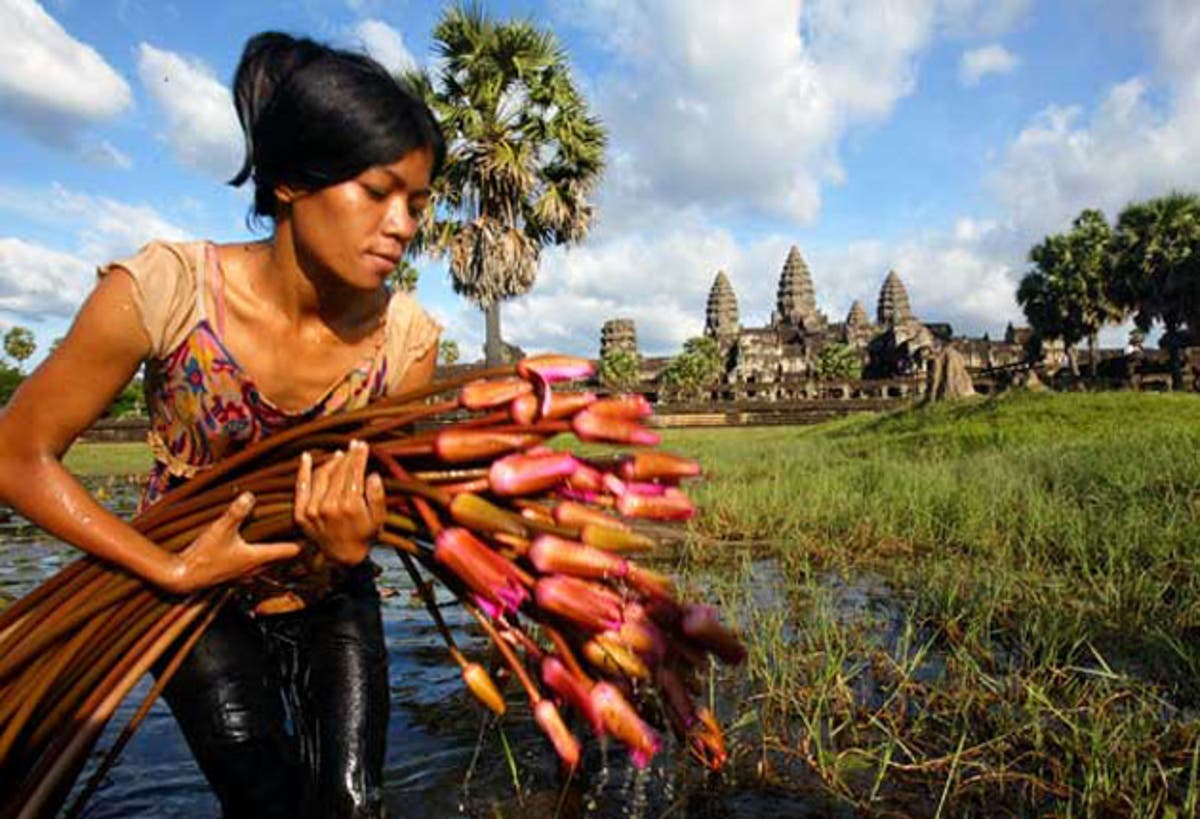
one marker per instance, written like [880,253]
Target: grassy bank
[102,459]
[983,608]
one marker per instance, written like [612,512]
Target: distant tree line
[1145,267]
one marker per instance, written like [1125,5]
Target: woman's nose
[399,221]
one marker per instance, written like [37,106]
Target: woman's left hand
[338,506]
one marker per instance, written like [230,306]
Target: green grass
[102,459]
[1034,649]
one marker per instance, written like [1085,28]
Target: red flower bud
[591,425]
[551,554]
[610,656]
[527,474]
[480,684]
[586,477]
[576,515]
[490,576]
[458,445]
[485,394]
[700,624]
[551,723]
[662,507]
[622,721]
[585,604]
[574,691]
[631,407]
[649,466]
[554,368]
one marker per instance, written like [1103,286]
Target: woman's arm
[61,399]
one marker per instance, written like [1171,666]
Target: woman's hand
[338,506]
[220,554]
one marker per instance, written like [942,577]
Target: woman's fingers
[304,478]
[376,500]
[260,554]
[356,469]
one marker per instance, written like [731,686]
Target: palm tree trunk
[1092,363]
[1072,362]
[492,349]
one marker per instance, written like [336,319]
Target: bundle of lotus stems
[534,542]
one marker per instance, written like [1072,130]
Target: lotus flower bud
[649,466]
[622,721]
[590,425]
[700,624]
[528,474]
[649,582]
[475,513]
[479,683]
[486,573]
[631,407]
[576,515]
[607,655]
[613,485]
[537,514]
[485,394]
[519,545]
[642,636]
[555,368]
[585,604]
[706,742]
[651,490]
[551,723]
[524,410]
[586,477]
[663,507]
[574,691]
[552,554]
[458,445]
[614,540]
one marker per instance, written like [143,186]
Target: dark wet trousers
[287,715]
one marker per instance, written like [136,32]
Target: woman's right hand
[220,554]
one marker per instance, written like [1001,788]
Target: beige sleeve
[164,278]
[411,333]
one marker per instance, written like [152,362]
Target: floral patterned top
[203,406]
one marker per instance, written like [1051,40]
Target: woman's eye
[375,193]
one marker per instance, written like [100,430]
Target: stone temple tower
[893,308]
[618,334]
[721,314]
[796,303]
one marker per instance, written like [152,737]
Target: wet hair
[314,116]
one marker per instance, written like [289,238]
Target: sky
[938,138]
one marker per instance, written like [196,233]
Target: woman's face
[357,230]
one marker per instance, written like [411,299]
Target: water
[445,753]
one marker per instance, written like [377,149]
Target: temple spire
[796,302]
[893,308]
[721,313]
[857,317]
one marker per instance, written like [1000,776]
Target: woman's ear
[285,195]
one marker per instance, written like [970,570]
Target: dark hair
[314,116]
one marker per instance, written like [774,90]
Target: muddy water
[445,758]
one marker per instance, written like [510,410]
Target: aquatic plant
[524,536]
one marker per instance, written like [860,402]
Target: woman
[286,713]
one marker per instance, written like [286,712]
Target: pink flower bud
[459,445]
[622,721]
[662,507]
[586,477]
[576,515]
[554,368]
[486,573]
[648,466]
[527,474]
[631,407]
[485,394]
[611,657]
[700,624]
[574,691]
[591,425]
[553,554]
[564,742]
[647,489]
[588,605]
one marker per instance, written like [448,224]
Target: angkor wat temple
[777,361]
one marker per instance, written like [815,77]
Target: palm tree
[1091,264]
[1157,276]
[524,156]
[1047,295]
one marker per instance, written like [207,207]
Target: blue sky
[939,138]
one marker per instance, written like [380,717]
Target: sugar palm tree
[1157,276]
[1091,264]
[524,156]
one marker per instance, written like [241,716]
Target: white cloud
[383,43]
[977,63]
[36,281]
[106,154]
[202,125]
[52,85]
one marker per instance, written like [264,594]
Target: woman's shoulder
[165,276]
[411,333]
